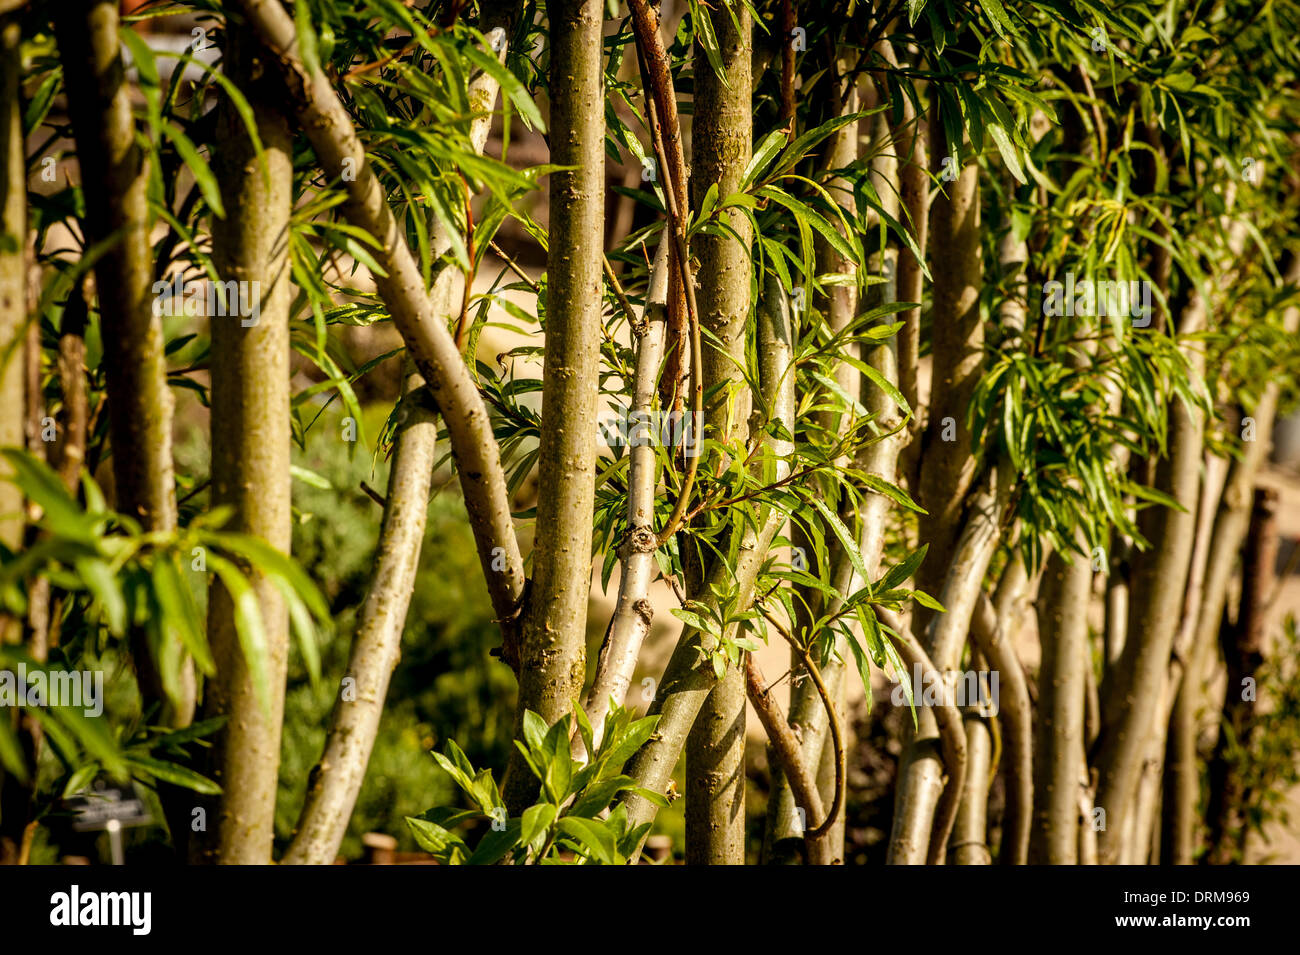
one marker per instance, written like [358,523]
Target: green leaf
[591,836]
[842,533]
[998,17]
[173,773]
[536,820]
[901,571]
[198,166]
[1008,151]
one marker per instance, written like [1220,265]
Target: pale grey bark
[337,778]
[686,683]
[1063,631]
[925,815]
[991,633]
[354,723]
[1131,700]
[633,614]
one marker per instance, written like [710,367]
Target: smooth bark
[250,423]
[553,644]
[721,131]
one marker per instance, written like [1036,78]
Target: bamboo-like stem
[553,644]
[250,425]
[721,130]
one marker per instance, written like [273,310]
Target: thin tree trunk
[15,792]
[1063,630]
[915,826]
[785,751]
[630,623]
[807,711]
[1131,698]
[924,820]
[947,467]
[721,130]
[250,452]
[139,402]
[991,633]
[1230,527]
[553,647]
[335,782]
[969,844]
[685,683]
[13,281]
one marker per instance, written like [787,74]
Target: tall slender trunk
[722,131]
[250,451]
[947,467]
[1230,527]
[13,278]
[1063,630]
[139,402]
[15,793]
[969,845]
[992,633]
[1133,695]
[686,683]
[917,834]
[630,623]
[553,643]
[807,711]
[337,778]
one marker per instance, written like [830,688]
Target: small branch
[837,742]
[785,745]
[952,736]
[632,613]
